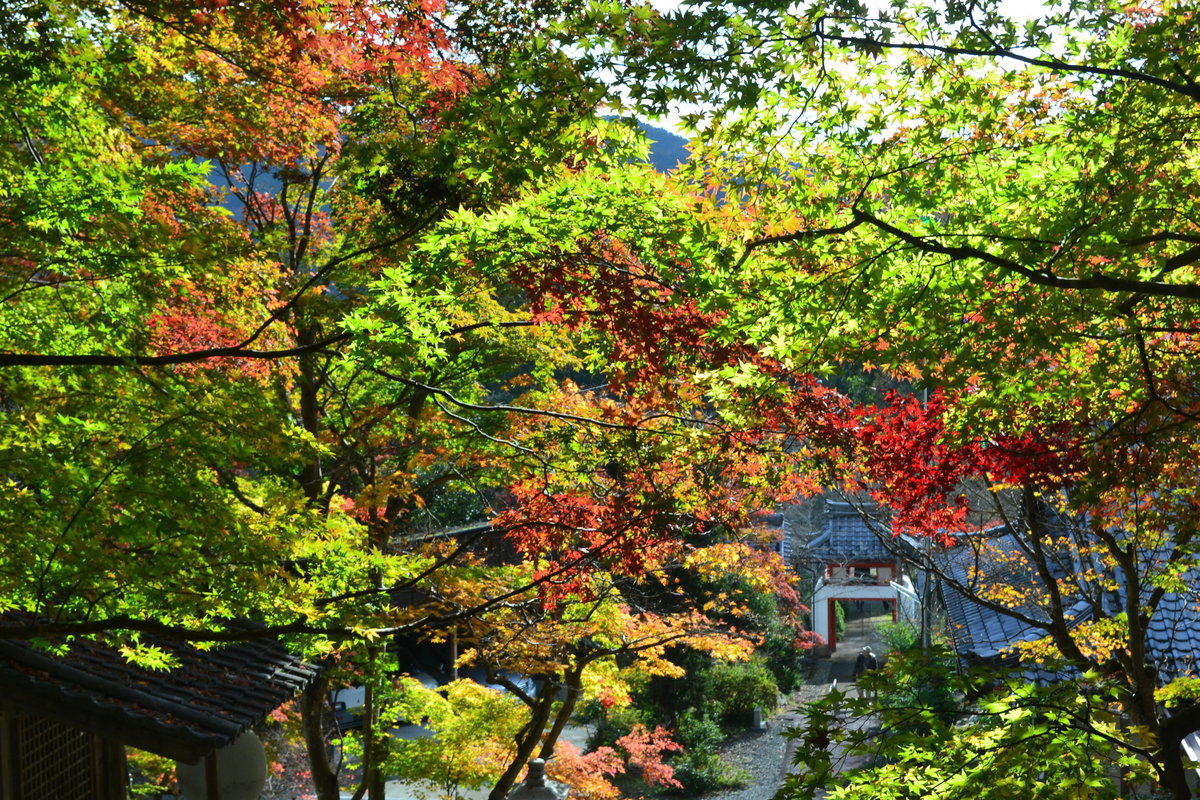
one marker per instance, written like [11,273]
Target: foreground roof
[185,713]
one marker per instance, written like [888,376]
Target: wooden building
[67,715]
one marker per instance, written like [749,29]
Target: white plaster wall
[827,591]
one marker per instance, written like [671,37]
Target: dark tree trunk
[574,685]
[526,742]
[312,710]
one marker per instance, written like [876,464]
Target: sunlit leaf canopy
[1003,213]
[291,289]
[999,209]
[951,179]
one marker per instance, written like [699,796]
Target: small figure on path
[866,661]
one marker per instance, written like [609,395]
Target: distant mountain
[666,149]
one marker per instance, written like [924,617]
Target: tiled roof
[846,537]
[1173,638]
[978,631]
[185,713]
[981,633]
[992,557]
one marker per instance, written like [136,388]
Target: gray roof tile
[981,633]
[184,713]
[846,537]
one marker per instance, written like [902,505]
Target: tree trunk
[309,386]
[574,685]
[374,729]
[527,740]
[312,710]
[1173,772]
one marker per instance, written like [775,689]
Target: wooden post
[212,777]
[10,758]
[832,624]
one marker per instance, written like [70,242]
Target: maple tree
[305,326]
[603,484]
[1097,605]
[605,566]
[566,645]
[472,729]
[292,288]
[565,656]
[178,274]
[588,774]
[1003,209]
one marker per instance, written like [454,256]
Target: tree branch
[1097,281]
[44,360]
[1188,88]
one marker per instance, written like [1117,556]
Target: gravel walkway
[765,754]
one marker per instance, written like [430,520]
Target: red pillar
[832,625]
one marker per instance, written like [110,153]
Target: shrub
[700,772]
[700,768]
[784,660]
[739,687]
[617,722]
[698,731]
[898,637]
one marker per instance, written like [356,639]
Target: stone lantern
[536,787]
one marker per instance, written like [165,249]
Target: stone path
[767,756]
